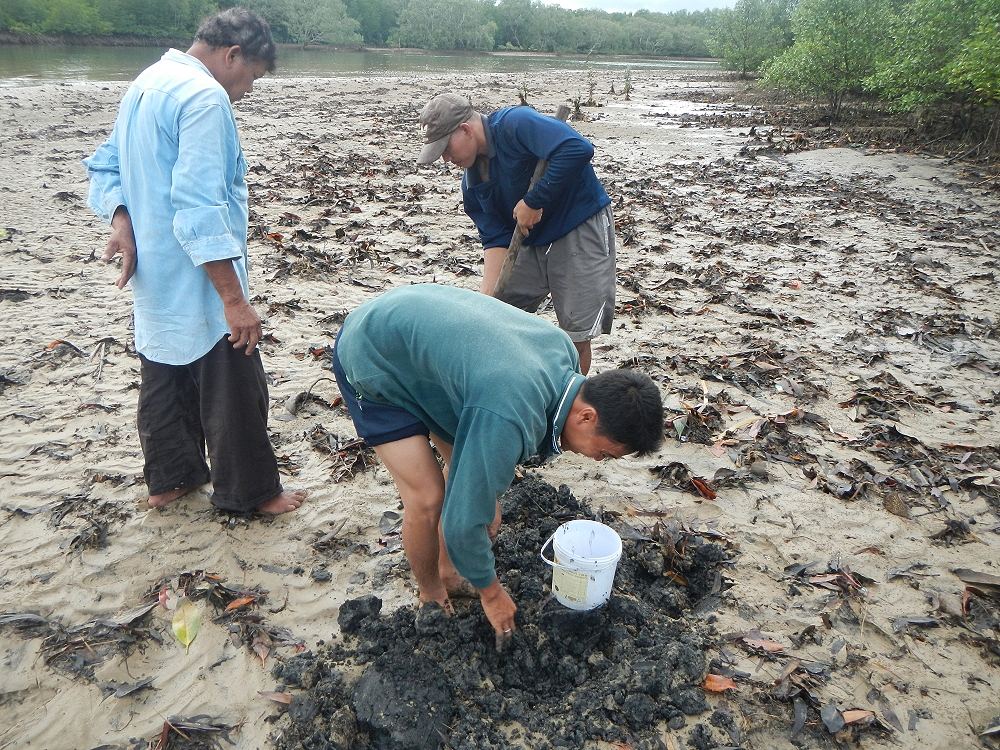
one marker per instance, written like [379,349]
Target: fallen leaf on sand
[715,683]
[676,577]
[186,623]
[832,718]
[772,647]
[703,488]
[896,505]
[983,582]
[261,646]
[285,698]
[718,449]
[850,717]
[241,602]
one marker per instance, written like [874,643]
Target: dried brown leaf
[855,715]
[771,647]
[715,683]
[241,602]
[271,695]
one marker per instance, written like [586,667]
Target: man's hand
[244,325]
[242,319]
[500,610]
[526,217]
[121,242]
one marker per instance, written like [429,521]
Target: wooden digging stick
[515,242]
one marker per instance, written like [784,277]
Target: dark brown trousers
[218,401]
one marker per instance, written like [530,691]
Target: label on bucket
[570,584]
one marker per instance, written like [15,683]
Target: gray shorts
[578,270]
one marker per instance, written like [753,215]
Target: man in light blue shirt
[171,182]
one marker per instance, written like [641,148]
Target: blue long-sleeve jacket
[569,193]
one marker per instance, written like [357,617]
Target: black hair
[243,27]
[629,408]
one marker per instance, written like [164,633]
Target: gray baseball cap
[441,117]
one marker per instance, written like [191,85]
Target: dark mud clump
[416,679]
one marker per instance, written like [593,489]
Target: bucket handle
[552,563]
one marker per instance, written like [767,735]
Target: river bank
[823,323]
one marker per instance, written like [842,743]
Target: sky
[660,6]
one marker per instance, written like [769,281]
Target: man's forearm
[223,276]
[121,218]
[244,324]
[493,258]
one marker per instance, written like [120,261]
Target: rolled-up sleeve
[200,185]
[105,194]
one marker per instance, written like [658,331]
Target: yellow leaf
[186,623]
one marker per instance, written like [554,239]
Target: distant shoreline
[8,38]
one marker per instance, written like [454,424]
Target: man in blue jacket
[491,386]
[569,245]
[170,181]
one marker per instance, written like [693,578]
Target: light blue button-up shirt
[174,161]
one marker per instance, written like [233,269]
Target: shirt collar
[572,388]
[490,149]
[175,55]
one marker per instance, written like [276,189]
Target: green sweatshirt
[494,381]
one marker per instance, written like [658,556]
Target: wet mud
[427,681]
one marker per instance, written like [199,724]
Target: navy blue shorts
[376,423]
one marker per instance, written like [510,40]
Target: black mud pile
[568,678]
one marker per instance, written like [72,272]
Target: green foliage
[178,19]
[318,21]
[751,34]
[19,15]
[377,19]
[432,24]
[976,70]
[932,56]
[153,18]
[837,43]
[518,24]
[446,24]
[72,17]
[308,21]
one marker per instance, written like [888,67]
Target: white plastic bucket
[586,557]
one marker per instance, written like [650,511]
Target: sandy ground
[824,326]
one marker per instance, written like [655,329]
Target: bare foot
[286,502]
[438,595]
[165,498]
[444,604]
[459,587]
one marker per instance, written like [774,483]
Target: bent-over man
[490,386]
[569,244]
[170,181]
